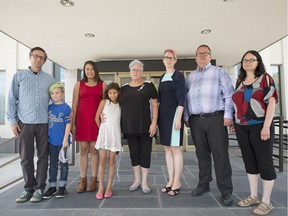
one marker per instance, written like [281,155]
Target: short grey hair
[136,62]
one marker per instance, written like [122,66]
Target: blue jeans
[54,152]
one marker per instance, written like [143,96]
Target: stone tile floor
[124,202]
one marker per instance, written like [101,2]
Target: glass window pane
[107,78]
[62,74]
[275,73]
[2,96]
[124,80]
[156,81]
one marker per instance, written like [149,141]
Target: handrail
[279,141]
[73,151]
[279,122]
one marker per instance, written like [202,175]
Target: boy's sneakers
[37,196]
[50,193]
[62,192]
[25,196]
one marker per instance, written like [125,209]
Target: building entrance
[124,77]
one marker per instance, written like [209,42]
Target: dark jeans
[53,169]
[211,137]
[30,133]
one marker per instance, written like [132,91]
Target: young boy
[58,137]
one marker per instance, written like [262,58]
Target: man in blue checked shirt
[208,112]
[27,113]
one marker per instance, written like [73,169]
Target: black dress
[171,95]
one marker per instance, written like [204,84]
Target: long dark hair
[260,69]
[97,77]
[109,87]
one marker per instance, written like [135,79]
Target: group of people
[205,101]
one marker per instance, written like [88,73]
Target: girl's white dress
[109,136]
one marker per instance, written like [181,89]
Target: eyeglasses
[203,54]
[42,58]
[135,70]
[249,60]
[169,57]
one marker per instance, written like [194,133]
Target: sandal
[174,192]
[263,209]
[166,189]
[248,201]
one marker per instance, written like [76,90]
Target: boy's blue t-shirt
[57,123]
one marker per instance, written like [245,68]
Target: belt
[206,115]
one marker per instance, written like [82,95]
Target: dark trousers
[53,169]
[256,153]
[211,137]
[140,147]
[29,133]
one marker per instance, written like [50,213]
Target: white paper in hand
[64,155]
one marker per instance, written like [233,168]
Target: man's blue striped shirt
[29,98]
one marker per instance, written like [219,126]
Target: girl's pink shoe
[99,196]
[107,195]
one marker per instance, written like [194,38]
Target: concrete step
[10,169]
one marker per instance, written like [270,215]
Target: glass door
[108,77]
[155,78]
[123,78]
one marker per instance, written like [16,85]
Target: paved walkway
[124,202]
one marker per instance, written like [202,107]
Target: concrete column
[70,80]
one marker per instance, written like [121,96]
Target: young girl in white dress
[109,138]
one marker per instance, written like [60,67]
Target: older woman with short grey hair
[138,101]
[136,62]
